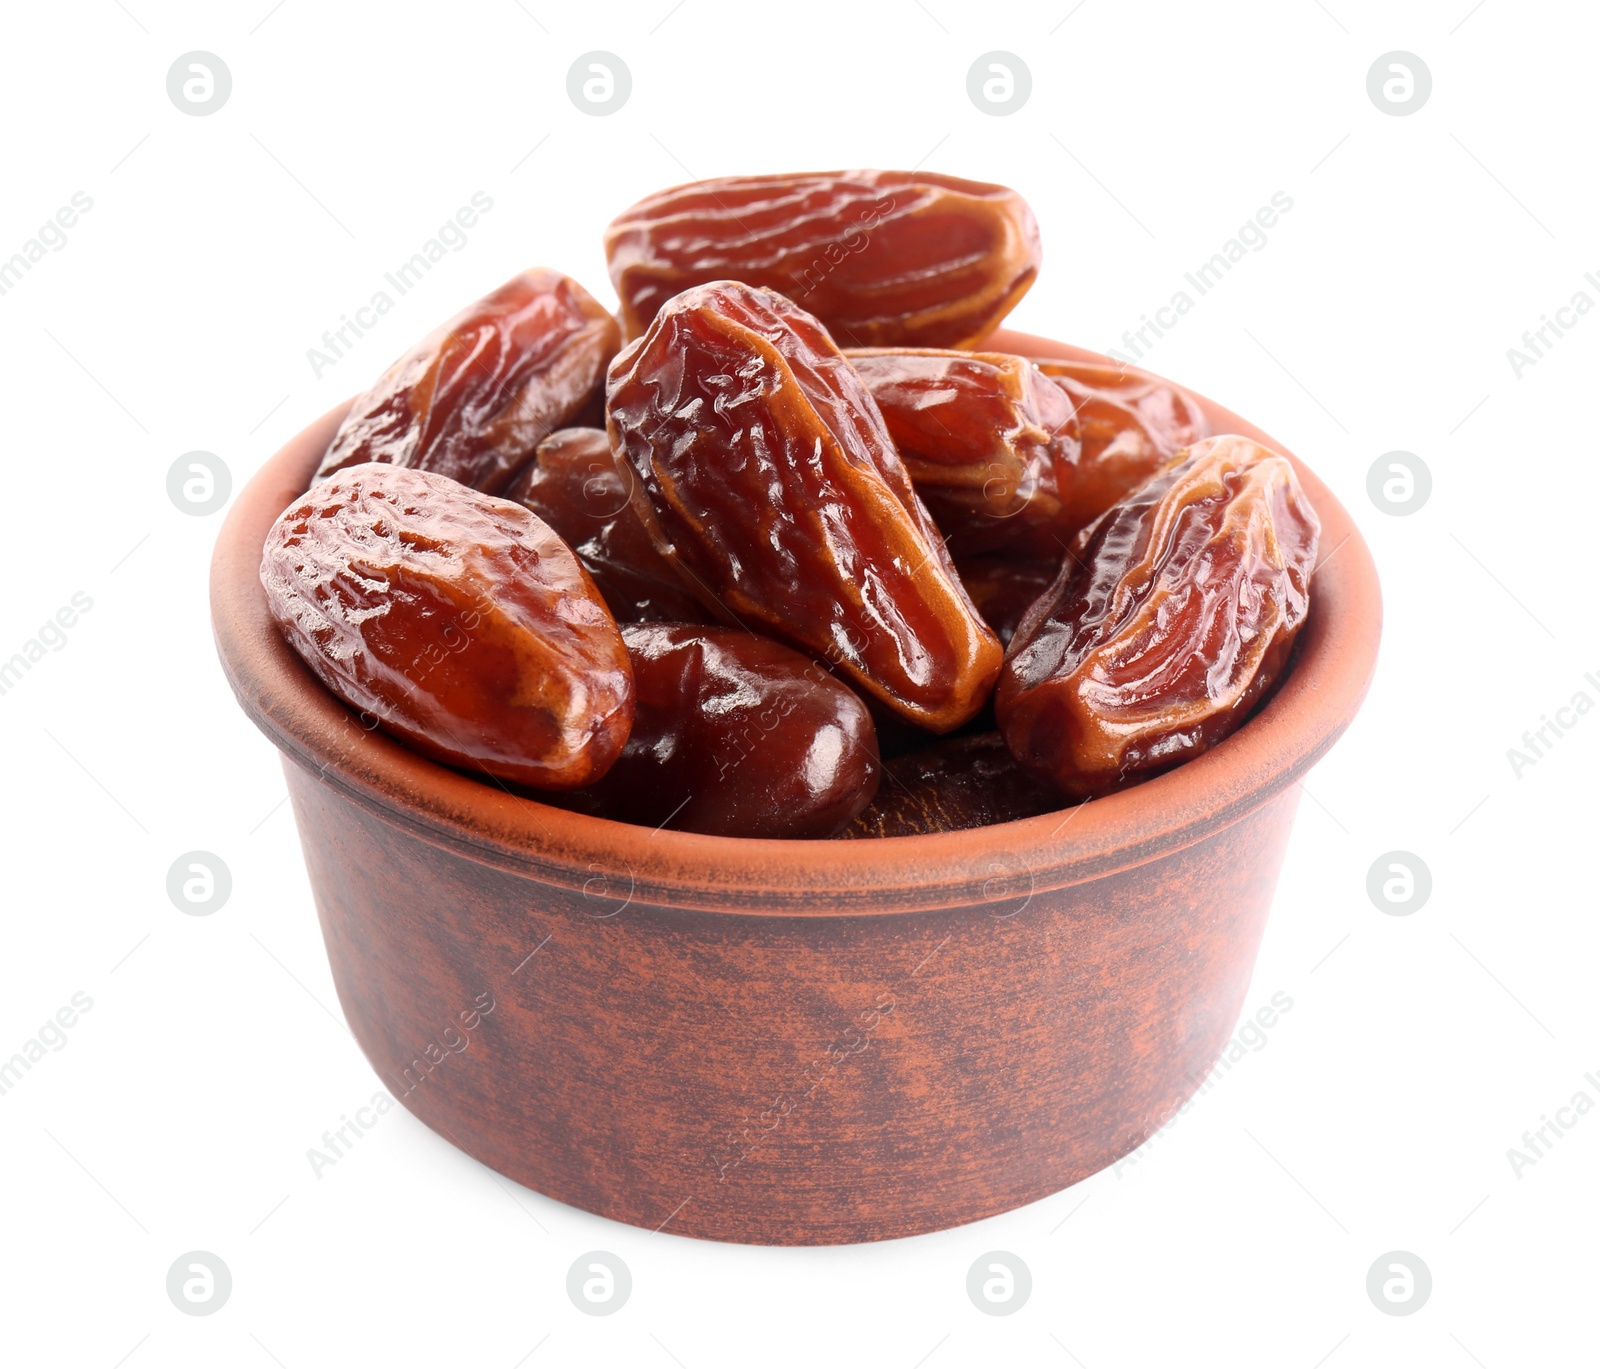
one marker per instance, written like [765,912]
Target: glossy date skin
[882,258]
[457,622]
[475,398]
[1174,617]
[1130,426]
[575,486]
[736,736]
[763,472]
[958,782]
[986,438]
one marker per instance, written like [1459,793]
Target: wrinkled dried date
[460,623]
[575,486]
[764,473]
[1130,426]
[986,438]
[1176,614]
[958,782]
[474,398]
[736,736]
[1016,456]
[882,258]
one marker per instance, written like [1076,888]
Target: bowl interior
[1335,659]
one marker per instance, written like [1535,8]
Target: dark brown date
[958,782]
[575,486]
[457,622]
[1174,617]
[987,440]
[883,258]
[1003,589]
[474,398]
[736,736]
[763,472]
[1130,426]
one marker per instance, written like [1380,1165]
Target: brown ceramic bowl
[790,1042]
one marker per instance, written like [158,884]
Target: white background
[1378,1114]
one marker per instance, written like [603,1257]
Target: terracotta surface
[670,1042]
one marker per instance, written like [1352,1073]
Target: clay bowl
[790,1043]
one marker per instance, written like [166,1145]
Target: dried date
[1174,616]
[575,486]
[458,622]
[737,736]
[987,439]
[763,472]
[882,258]
[475,398]
[958,782]
[1130,426]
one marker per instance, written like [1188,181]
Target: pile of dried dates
[774,552]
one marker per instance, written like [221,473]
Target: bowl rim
[616,864]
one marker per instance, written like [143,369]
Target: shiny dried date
[882,258]
[575,486]
[1130,427]
[958,782]
[457,622]
[986,438]
[763,472]
[475,398]
[735,736]
[1174,617]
